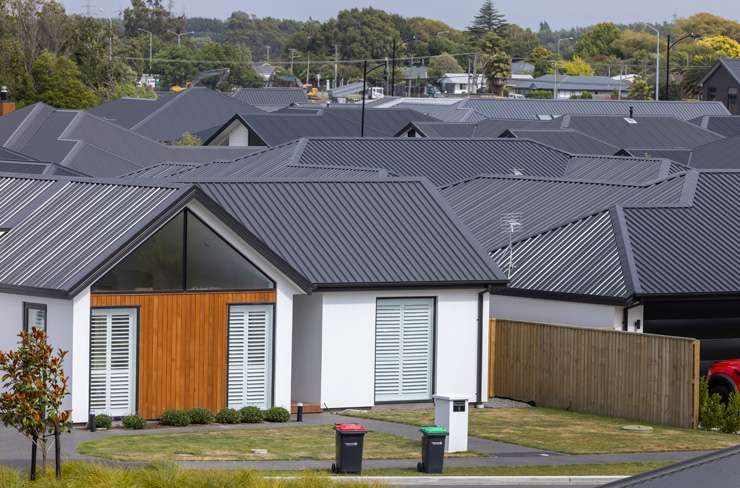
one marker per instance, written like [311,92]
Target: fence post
[491,356]
[695,349]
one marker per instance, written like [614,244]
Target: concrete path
[15,449]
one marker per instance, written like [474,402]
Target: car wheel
[722,390]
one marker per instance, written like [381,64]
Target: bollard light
[299,413]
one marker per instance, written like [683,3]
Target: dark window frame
[35,306]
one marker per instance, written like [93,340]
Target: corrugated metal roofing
[727,125]
[619,169]
[689,249]
[7,154]
[484,202]
[55,240]
[572,141]
[718,469]
[721,154]
[372,232]
[271,96]
[532,109]
[640,132]
[579,258]
[445,113]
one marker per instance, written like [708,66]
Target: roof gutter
[479,375]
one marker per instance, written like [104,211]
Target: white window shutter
[250,356]
[112,361]
[404,347]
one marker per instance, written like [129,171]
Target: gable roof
[653,132]
[718,469]
[485,201]
[573,83]
[442,161]
[86,144]
[684,248]
[193,110]
[277,97]
[344,233]
[570,140]
[443,109]
[492,128]
[721,154]
[280,127]
[731,65]
[533,108]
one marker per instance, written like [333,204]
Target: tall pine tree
[489,19]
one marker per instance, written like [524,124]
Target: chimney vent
[632,112]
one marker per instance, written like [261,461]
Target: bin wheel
[333,468]
[420,467]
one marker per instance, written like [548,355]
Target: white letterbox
[451,412]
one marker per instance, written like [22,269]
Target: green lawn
[566,432]
[91,475]
[291,443]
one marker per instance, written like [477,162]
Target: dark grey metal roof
[128,111]
[492,128]
[572,83]
[640,132]
[342,233]
[569,140]
[10,155]
[532,108]
[538,204]
[271,96]
[444,112]
[727,125]
[193,110]
[620,169]
[62,228]
[721,154]
[89,145]
[719,469]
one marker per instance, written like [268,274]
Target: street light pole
[657,62]
[179,35]
[669,45]
[557,67]
[366,72]
[395,47]
[151,37]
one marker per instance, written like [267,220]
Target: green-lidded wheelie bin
[349,442]
[432,449]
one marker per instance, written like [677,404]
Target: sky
[457,13]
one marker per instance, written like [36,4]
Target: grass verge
[566,432]
[92,475]
[295,443]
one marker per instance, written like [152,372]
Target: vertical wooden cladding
[182,349]
[644,377]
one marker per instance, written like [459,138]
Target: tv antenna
[510,224]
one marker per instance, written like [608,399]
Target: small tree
[33,386]
[188,139]
[640,90]
[444,63]
[576,67]
[489,19]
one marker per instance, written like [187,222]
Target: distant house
[521,70]
[461,83]
[722,84]
[414,80]
[265,70]
[601,87]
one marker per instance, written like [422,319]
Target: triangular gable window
[185,254]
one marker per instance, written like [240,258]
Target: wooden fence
[648,378]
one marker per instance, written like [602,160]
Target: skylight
[630,120]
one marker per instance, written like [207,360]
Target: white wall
[348,344]
[238,135]
[58,325]
[635,314]
[285,289]
[307,315]
[80,373]
[556,312]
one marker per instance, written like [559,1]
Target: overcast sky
[528,13]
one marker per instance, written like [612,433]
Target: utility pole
[308,67]
[336,62]
[268,53]
[557,67]
[657,62]
[292,55]
[393,68]
[180,34]
[151,38]
[669,45]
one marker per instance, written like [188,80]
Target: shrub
[176,418]
[200,416]
[276,414]
[251,415]
[103,421]
[135,422]
[228,416]
[711,408]
[731,423]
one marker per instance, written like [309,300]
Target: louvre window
[404,345]
[34,316]
[185,254]
[250,356]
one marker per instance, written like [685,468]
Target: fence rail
[649,378]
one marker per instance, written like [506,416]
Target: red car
[724,378]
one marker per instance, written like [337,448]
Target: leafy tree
[33,386]
[188,139]
[57,82]
[705,24]
[14,74]
[723,46]
[489,19]
[444,63]
[634,45]
[520,41]
[150,15]
[543,60]
[599,40]
[640,90]
[495,61]
[576,67]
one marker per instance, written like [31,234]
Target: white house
[461,83]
